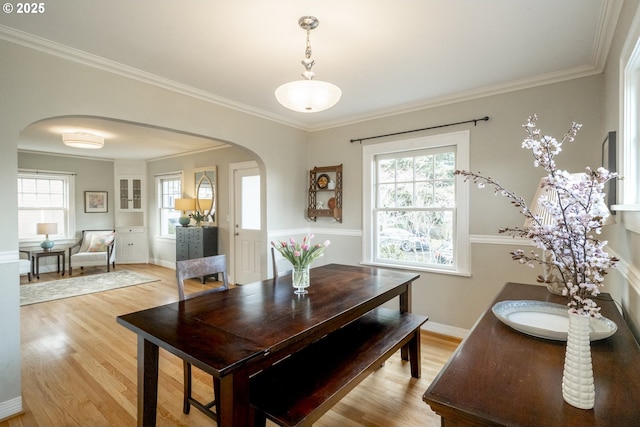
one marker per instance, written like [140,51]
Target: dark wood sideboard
[501,377]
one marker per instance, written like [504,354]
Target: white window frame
[160,199]
[460,140]
[630,153]
[69,209]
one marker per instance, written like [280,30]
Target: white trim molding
[628,271]
[499,240]
[11,407]
[450,331]
[8,257]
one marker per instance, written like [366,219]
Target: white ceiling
[386,56]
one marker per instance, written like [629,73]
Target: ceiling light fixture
[83,140]
[308,95]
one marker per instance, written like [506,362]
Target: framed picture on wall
[95,201]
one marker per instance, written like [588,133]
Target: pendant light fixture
[308,95]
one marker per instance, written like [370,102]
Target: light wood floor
[79,367]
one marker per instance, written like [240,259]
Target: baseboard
[441,329]
[10,408]
[162,263]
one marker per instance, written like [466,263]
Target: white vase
[577,379]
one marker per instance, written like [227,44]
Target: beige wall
[90,175]
[162,250]
[495,149]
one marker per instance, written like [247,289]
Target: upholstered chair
[95,248]
[25,263]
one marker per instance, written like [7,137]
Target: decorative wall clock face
[323,181]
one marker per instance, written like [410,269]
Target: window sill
[414,268]
[627,208]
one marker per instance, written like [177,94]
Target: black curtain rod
[474,121]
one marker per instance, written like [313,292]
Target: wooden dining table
[236,333]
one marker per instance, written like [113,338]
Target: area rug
[65,288]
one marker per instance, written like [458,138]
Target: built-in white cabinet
[132,240]
[132,246]
[131,190]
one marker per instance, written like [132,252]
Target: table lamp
[184,205]
[549,273]
[47,228]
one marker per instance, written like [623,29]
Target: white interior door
[247,226]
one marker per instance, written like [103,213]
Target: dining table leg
[405,306]
[234,409]
[147,382]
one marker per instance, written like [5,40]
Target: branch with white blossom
[578,212]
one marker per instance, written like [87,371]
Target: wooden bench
[299,389]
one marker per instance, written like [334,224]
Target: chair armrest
[75,245]
[26,252]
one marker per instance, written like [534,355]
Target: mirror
[206,191]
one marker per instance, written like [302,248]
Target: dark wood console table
[499,376]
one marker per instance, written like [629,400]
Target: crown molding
[62,51]
[606,29]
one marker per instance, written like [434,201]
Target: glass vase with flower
[300,255]
[199,217]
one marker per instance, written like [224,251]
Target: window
[251,202]
[415,213]
[45,197]
[169,189]
[630,157]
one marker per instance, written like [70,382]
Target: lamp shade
[550,193]
[204,204]
[83,140]
[185,204]
[551,275]
[46,228]
[308,96]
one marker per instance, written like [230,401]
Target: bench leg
[413,347]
